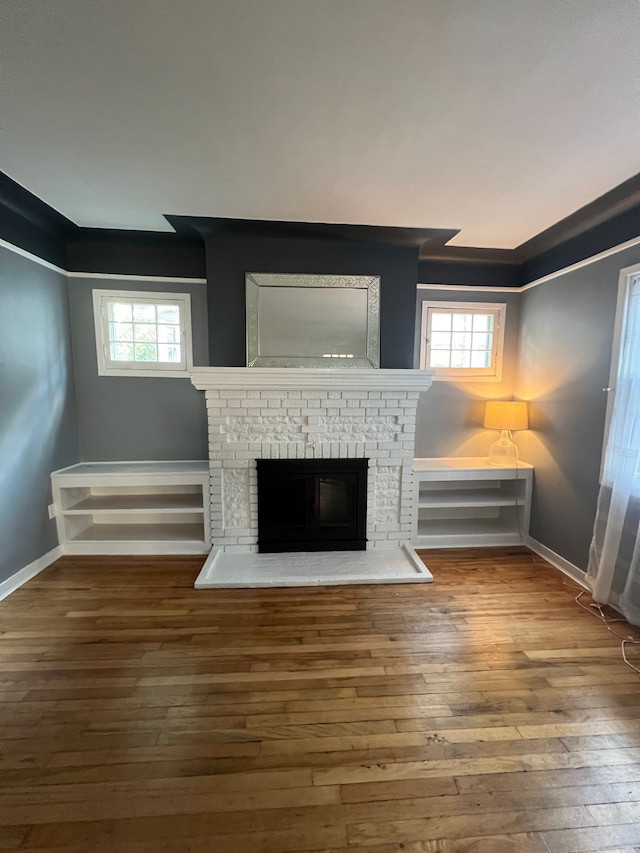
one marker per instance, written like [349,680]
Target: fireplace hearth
[312,505]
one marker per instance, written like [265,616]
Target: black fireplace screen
[312,504]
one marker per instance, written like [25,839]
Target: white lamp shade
[510,414]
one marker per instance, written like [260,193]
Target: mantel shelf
[310,378]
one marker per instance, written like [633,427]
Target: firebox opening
[312,505]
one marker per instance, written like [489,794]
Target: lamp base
[503,453]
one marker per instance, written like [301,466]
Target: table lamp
[505,416]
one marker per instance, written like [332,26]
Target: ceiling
[495,117]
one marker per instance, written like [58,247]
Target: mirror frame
[254,283]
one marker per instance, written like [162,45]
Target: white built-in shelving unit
[464,502]
[133,507]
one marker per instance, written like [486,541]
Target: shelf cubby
[467,502]
[133,507]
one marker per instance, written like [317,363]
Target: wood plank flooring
[483,713]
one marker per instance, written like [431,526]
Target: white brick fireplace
[308,413]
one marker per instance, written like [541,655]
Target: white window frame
[108,367]
[628,276]
[465,374]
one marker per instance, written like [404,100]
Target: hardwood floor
[482,713]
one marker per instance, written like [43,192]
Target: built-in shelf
[140,532]
[163,502]
[467,502]
[133,507]
[467,497]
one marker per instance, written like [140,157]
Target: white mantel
[310,378]
[310,413]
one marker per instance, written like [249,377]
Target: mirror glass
[312,321]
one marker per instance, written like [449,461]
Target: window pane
[144,313]
[168,313]
[144,332]
[440,340]
[460,358]
[121,352]
[439,358]
[169,334]
[120,312]
[146,352]
[462,322]
[482,322]
[120,331]
[460,340]
[480,359]
[140,332]
[169,352]
[481,340]
[440,322]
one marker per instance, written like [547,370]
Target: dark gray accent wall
[231,256]
[613,232]
[134,253]
[38,431]
[565,354]
[468,272]
[121,417]
[30,223]
[450,414]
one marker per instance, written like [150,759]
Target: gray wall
[565,354]
[136,417]
[450,414]
[557,355]
[38,431]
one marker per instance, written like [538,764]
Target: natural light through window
[142,333]
[462,340]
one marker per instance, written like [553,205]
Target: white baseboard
[558,562]
[15,581]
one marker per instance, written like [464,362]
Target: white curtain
[614,556]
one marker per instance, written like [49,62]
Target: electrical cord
[628,640]
[624,641]
[595,606]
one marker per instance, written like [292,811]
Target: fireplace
[311,415]
[312,505]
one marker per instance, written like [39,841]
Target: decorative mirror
[313,320]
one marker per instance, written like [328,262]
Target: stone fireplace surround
[310,413]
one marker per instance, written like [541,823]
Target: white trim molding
[309,378]
[156,279]
[470,288]
[558,562]
[16,580]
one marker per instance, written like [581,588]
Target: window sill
[148,374]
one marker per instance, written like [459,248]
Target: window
[142,334]
[463,340]
[614,568]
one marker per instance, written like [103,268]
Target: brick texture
[249,425]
